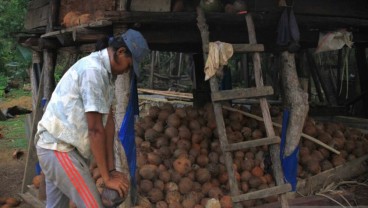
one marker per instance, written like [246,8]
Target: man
[78,124]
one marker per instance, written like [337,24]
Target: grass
[13,129]
[14,133]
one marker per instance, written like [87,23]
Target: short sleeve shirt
[86,87]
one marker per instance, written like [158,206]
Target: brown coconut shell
[185,185]
[182,165]
[148,171]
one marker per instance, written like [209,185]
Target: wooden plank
[315,201]
[80,29]
[252,143]
[243,48]
[167,93]
[34,4]
[274,149]
[151,5]
[346,171]
[263,193]
[31,200]
[241,93]
[36,17]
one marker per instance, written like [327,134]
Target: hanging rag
[218,55]
[288,31]
[334,40]
[289,163]
[127,135]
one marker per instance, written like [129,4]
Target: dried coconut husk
[202,160]
[247,164]
[244,187]
[257,171]
[245,176]
[197,138]
[185,185]
[215,192]
[324,152]
[171,186]
[36,181]
[183,144]
[163,115]
[168,107]
[246,132]
[155,195]
[159,184]
[206,132]
[257,134]
[151,135]
[164,152]
[226,202]
[154,158]
[171,132]
[182,165]
[202,175]
[139,131]
[145,146]
[213,157]
[188,203]
[181,152]
[184,133]
[162,204]
[358,151]
[154,112]
[254,182]
[326,165]
[145,185]
[148,171]
[173,197]
[158,127]
[173,120]
[310,130]
[12,202]
[338,160]
[313,166]
[192,113]
[194,125]
[349,146]
[181,112]
[317,155]
[191,175]
[214,169]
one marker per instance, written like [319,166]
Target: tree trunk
[297,101]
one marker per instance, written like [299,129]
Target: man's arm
[110,133]
[98,141]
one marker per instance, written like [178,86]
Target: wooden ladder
[259,92]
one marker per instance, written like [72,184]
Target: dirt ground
[12,170]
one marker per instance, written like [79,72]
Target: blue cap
[137,46]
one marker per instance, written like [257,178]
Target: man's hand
[119,182]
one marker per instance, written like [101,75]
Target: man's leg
[69,174]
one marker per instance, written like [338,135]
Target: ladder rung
[241,93]
[276,190]
[252,143]
[243,48]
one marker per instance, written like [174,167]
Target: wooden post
[315,78]
[49,57]
[297,101]
[152,69]
[244,66]
[360,53]
[35,75]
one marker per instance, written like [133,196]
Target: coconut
[148,171]
[150,135]
[202,175]
[173,120]
[145,185]
[182,165]
[155,195]
[185,185]
[154,112]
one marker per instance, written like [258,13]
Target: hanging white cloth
[218,55]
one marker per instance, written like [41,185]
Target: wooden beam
[346,171]
[241,93]
[276,190]
[252,143]
[243,48]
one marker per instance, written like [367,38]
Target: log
[167,93]
[297,101]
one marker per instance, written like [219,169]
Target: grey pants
[67,177]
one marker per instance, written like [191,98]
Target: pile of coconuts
[180,162]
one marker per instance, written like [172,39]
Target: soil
[12,170]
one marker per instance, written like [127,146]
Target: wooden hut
[74,26]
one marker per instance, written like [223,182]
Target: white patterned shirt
[88,86]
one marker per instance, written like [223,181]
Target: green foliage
[14,133]
[11,22]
